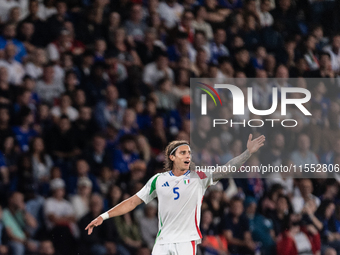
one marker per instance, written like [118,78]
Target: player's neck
[178,172]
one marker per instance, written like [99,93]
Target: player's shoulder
[200,174]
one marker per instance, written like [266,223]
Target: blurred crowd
[91,92]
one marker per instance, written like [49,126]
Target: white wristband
[105,215]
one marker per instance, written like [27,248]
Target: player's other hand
[254,145]
[95,223]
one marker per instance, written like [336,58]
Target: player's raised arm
[120,209]
[252,147]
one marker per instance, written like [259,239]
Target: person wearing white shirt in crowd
[46,9]
[170,12]
[35,67]
[81,200]
[157,70]
[266,19]
[15,69]
[200,24]
[56,206]
[7,5]
[60,217]
[303,155]
[48,87]
[303,195]
[65,108]
[334,51]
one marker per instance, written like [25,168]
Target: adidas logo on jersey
[166,185]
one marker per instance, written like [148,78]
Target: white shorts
[186,248]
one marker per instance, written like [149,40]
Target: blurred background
[91,92]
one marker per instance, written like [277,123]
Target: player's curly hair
[168,163]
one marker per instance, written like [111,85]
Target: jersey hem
[198,241]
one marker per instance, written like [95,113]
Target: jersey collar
[172,174]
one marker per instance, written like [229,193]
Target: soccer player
[180,192]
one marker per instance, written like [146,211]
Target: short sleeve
[148,192]
[206,178]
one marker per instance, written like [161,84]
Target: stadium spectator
[306,188]
[298,238]
[39,28]
[260,227]
[60,218]
[61,140]
[199,24]
[65,108]
[113,25]
[236,229]
[217,48]
[105,180]
[81,200]
[24,132]
[71,81]
[16,222]
[99,50]
[242,62]
[303,155]
[14,68]
[333,51]
[309,51]
[266,19]
[105,239]
[125,155]
[87,61]
[148,224]
[82,170]
[111,110]
[41,162]
[8,36]
[328,233]
[25,35]
[128,232]
[325,70]
[49,87]
[216,203]
[157,135]
[155,71]
[165,96]
[170,11]
[5,129]
[56,21]
[98,156]
[125,46]
[281,215]
[34,68]
[135,26]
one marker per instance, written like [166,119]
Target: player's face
[182,158]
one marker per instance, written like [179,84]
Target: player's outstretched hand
[95,223]
[254,145]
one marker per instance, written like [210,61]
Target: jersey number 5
[176,192]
